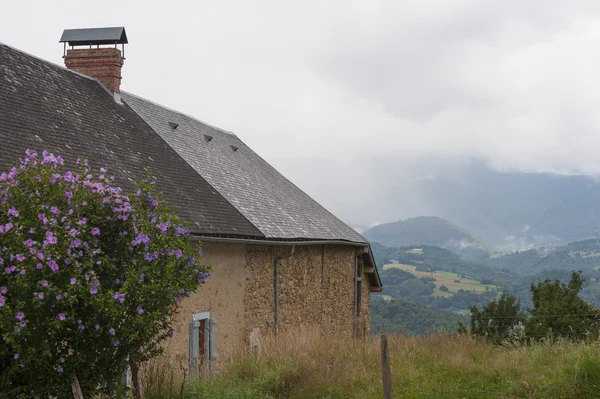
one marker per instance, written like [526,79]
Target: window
[203,349]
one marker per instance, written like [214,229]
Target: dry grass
[434,367]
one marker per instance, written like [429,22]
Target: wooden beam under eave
[369,269]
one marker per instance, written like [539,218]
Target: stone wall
[316,293]
[316,290]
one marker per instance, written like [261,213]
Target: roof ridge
[49,62]
[179,112]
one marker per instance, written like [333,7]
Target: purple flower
[20,316]
[50,238]
[162,227]
[20,257]
[59,297]
[22,323]
[171,332]
[44,283]
[61,317]
[3,290]
[97,327]
[93,290]
[32,230]
[7,227]
[181,230]
[116,343]
[54,210]
[74,232]
[82,327]
[95,231]
[53,265]
[151,256]
[178,254]
[62,360]
[41,295]
[73,281]
[83,220]
[59,369]
[111,331]
[140,239]
[140,310]
[119,297]
[16,356]
[13,212]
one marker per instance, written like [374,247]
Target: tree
[498,320]
[91,278]
[558,310]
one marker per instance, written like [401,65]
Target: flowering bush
[89,277]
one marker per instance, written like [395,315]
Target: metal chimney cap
[94,36]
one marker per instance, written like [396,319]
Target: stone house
[281,262]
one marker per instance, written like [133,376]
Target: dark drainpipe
[276,285]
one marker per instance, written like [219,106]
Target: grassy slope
[445,278]
[433,367]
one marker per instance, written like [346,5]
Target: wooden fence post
[385,366]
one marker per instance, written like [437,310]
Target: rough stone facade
[316,292]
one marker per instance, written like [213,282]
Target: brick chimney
[102,63]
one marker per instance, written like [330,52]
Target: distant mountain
[430,230]
[515,210]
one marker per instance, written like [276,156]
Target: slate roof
[273,204]
[215,181]
[44,106]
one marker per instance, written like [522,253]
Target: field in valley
[451,280]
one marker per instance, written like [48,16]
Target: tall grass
[440,366]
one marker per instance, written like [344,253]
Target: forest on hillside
[512,274]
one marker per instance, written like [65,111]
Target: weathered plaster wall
[223,296]
[316,289]
[316,293]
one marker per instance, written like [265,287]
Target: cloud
[348,97]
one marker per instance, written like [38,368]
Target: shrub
[91,277]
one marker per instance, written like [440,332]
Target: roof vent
[208,138]
[173,125]
[234,148]
[94,36]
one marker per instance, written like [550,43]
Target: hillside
[434,258]
[430,230]
[580,255]
[400,316]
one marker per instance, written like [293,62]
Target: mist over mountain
[514,210]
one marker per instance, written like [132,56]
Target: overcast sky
[326,90]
